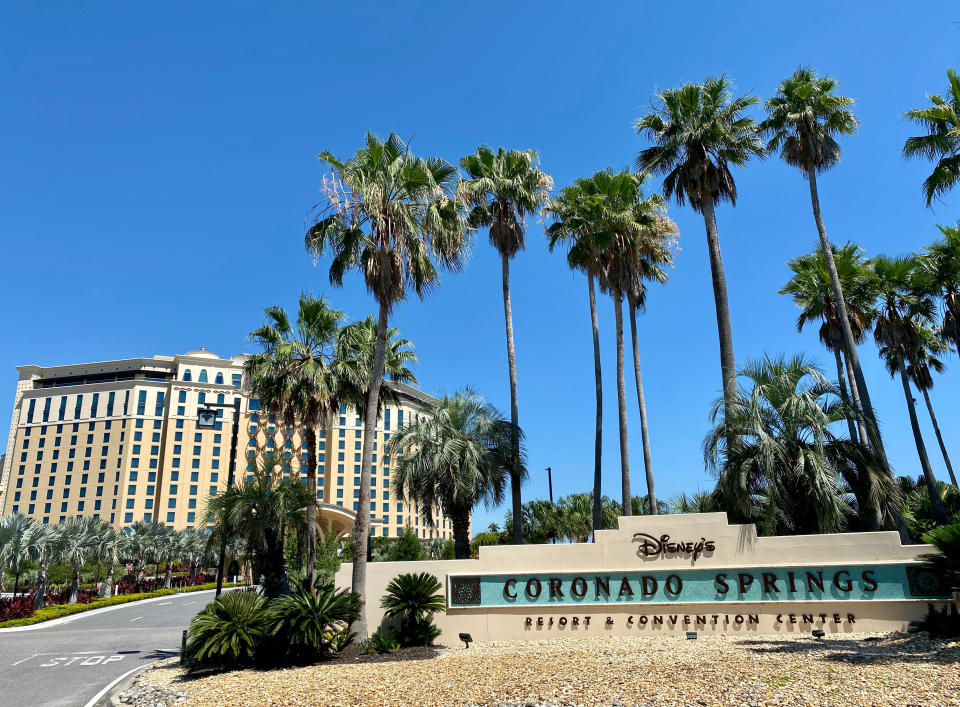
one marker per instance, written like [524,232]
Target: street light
[207,420]
[550,483]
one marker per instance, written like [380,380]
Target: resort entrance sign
[668,574]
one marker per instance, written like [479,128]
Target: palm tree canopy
[904,305]
[616,233]
[771,447]
[292,373]
[811,292]
[456,458]
[389,215]
[941,260]
[352,362]
[698,131]
[941,142]
[804,118]
[502,188]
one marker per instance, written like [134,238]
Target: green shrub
[407,548]
[228,631]
[383,640]
[943,623]
[946,563]
[412,600]
[312,625]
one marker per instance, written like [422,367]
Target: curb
[93,612]
[110,695]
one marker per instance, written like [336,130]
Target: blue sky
[160,156]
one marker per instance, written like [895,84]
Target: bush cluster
[243,628]
[410,602]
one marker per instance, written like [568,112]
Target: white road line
[25,659]
[136,619]
[96,698]
[189,602]
[165,603]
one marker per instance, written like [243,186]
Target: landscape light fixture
[818,633]
[691,635]
[206,418]
[466,638]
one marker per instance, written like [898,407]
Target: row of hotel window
[158,403]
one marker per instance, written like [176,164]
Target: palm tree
[74,542]
[902,309]
[942,263]
[106,549]
[698,131]
[812,292]
[293,375]
[139,546]
[262,508]
[16,550]
[923,359]
[502,188]
[573,222]
[459,457]
[941,143]
[42,551]
[576,517]
[804,118]
[393,217]
[697,502]
[786,468]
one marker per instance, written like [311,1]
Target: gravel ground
[854,669]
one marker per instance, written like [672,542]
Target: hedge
[55,612]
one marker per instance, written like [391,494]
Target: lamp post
[207,420]
[550,483]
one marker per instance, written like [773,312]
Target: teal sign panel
[722,585]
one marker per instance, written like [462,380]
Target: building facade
[119,440]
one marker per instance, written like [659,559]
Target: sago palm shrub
[312,624]
[229,631]
[411,601]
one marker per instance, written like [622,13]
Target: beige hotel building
[118,440]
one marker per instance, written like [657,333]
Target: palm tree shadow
[899,648]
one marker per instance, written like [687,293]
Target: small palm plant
[228,631]
[412,600]
[312,624]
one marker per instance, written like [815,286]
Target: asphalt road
[71,663]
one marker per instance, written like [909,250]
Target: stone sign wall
[676,573]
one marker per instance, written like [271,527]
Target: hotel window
[213,490]
[170,516]
[46,409]
[202,378]
[237,380]
[111,398]
[93,405]
[202,398]
[219,379]
[30,408]
[63,408]
[182,396]
[186,375]
[158,408]
[171,503]
[141,402]
[191,516]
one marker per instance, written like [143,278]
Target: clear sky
[158,162]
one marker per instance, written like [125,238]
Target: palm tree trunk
[16,585]
[106,589]
[461,534]
[858,386]
[936,428]
[622,408]
[311,539]
[74,586]
[168,577]
[842,384]
[644,433]
[40,596]
[361,527]
[514,411]
[939,513]
[598,434]
[861,428]
[728,367]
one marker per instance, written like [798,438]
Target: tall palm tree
[139,546]
[460,456]
[786,469]
[922,360]
[941,260]
[263,508]
[392,217]
[572,213]
[576,517]
[902,307]
[804,119]
[293,374]
[941,143]
[106,544]
[698,131]
[501,189]
[811,290]
[42,548]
